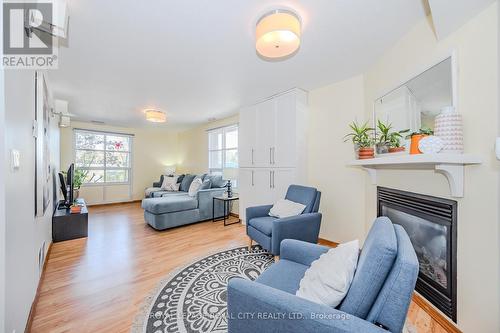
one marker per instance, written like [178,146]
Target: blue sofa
[269,231]
[377,300]
[171,209]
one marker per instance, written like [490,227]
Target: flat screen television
[67,186]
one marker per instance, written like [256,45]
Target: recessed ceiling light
[155,116]
[277,34]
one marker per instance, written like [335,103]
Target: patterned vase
[448,126]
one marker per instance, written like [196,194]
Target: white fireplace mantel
[450,165]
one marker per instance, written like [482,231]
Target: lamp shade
[170,169]
[155,116]
[277,34]
[230,173]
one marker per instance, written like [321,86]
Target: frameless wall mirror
[416,103]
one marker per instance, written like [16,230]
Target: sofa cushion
[263,224]
[186,182]
[284,275]
[375,263]
[216,180]
[302,194]
[169,204]
[207,183]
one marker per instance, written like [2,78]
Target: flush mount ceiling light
[277,34]
[155,116]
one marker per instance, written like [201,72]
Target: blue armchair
[270,231]
[377,300]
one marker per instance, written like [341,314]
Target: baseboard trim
[435,314]
[234,215]
[113,203]
[37,294]
[327,242]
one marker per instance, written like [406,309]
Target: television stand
[66,226]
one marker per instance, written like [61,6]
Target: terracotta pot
[396,149]
[415,139]
[366,153]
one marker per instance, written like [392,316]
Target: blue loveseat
[377,300]
[171,209]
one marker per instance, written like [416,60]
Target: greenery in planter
[391,139]
[422,131]
[78,177]
[361,135]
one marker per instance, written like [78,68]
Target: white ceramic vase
[448,126]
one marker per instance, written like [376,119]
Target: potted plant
[383,138]
[395,141]
[78,179]
[362,139]
[416,137]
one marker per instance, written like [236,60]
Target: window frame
[224,149]
[104,150]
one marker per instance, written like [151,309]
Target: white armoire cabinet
[272,148]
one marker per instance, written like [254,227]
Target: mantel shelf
[450,165]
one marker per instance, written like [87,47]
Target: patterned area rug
[193,299]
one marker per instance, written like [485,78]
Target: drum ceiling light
[277,34]
[155,116]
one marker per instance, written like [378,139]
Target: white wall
[332,108]
[24,233]
[478,216]
[2,194]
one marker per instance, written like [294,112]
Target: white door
[265,124]
[246,136]
[263,194]
[284,150]
[245,190]
[281,179]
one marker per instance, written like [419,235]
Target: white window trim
[224,149]
[105,133]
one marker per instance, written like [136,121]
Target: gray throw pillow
[186,182]
[207,183]
[180,178]
[218,182]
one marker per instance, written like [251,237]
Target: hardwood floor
[98,284]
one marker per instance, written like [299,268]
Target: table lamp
[230,174]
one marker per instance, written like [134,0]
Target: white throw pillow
[173,188]
[286,208]
[170,183]
[195,186]
[329,277]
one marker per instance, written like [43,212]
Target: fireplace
[431,224]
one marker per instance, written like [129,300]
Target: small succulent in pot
[361,137]
[383,137]
[395,139]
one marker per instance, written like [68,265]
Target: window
[103,157]
[222,149]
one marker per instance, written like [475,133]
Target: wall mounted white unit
[272,148]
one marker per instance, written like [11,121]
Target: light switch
[15,159]
[497,148]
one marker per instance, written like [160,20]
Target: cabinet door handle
[274,151]
[270,155]
[273,179]
[252,179]
[252,157]
[270,179]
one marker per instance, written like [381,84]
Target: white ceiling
[196,59]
